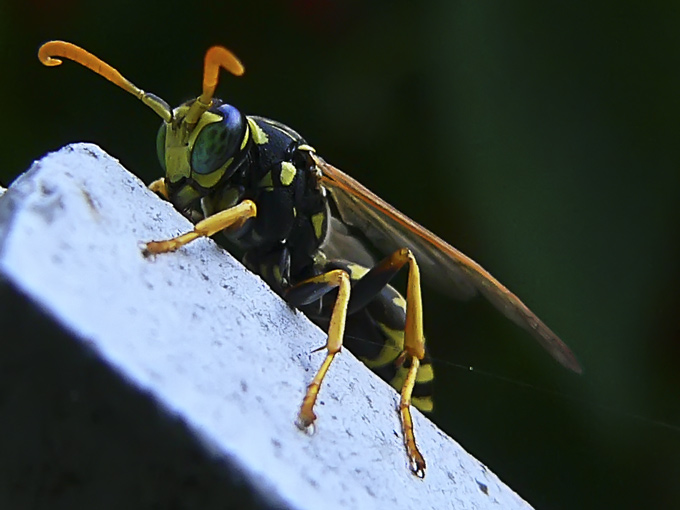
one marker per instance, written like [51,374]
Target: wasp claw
[144,248]
[306,423]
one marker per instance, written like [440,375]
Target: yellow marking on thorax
[259,136]
[317,222]
[357,271]
[400,302]
[288,172]
[245,137]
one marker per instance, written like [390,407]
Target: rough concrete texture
[174,381]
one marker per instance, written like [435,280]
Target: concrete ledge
[174,382]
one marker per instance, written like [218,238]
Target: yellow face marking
[179,143]
[288,172]
[318,221]
[305,147]
[259,136]
[211,179]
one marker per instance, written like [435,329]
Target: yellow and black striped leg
[306,292]
[233,217]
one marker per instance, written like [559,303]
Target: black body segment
[284,245]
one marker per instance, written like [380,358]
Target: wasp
[305,226]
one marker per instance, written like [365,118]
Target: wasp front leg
[233,217]
[158,186]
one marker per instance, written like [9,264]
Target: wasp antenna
[215,57]
[52,49]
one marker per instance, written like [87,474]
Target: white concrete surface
[215,347]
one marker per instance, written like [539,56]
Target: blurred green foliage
[538,137]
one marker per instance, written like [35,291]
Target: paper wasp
[303,225]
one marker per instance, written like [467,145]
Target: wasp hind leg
[233,217]
[364,291]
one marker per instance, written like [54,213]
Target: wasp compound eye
[219,141]
[160,144]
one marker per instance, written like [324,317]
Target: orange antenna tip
[46,52]
[215,57]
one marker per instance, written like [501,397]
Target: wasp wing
[445,266]
[342,242]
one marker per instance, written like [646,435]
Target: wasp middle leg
[159,187]
[369,289]
[307,292]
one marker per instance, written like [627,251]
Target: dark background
[540,138]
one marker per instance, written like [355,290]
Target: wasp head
[200,143]
[197,157]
